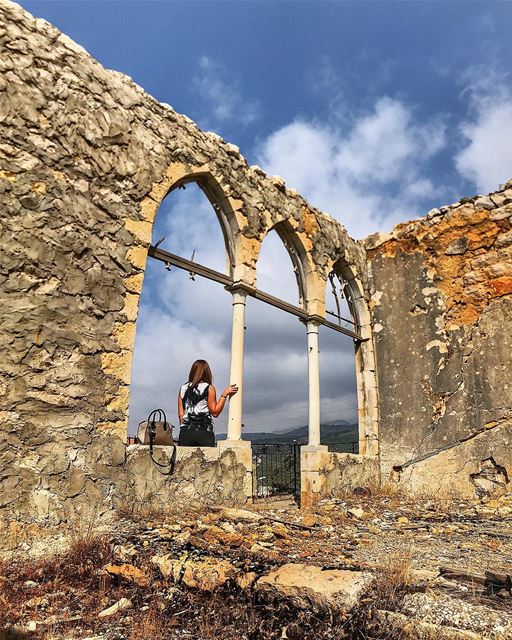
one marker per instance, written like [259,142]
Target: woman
[197,403]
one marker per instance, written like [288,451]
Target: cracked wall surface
[441,304]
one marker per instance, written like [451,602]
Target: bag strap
[158,415]
[169,466]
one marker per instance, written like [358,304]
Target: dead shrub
[392,579]
[149,624]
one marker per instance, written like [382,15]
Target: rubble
[309,586]
[120,605]
[128,572]
[443,609]
[408,564]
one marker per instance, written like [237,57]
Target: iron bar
[331,313]
[188,265]
[276,469]
[200,270]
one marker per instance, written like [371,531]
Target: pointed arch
[295,247]
[178,175]
[222,207]
[367,398]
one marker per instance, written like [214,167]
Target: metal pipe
[200,270]
[331,313]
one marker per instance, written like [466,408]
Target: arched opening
[349,400]
[182,317]
[276,378]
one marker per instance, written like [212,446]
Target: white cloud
[223,101]
[366,177]
[486,159]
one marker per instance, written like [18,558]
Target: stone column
[234,443]
[313,456]
[314,383]
[236,375]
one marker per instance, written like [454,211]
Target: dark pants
[196,438]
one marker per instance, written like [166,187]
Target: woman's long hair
[200,372]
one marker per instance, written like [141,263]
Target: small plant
[149,624]
[392,580]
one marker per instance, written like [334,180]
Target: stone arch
[304,268]
[119,364]
[178,175]
[367,398]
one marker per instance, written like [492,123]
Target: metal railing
[194,268]
[349,446]
[276,469]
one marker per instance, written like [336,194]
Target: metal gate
[276,469]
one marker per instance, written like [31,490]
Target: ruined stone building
[86,158]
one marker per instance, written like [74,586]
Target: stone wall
[329,474]
[114,478]
[442,311]
[86,157]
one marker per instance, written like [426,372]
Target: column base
[243,452]
[314,447]
[234,444]
[313,460]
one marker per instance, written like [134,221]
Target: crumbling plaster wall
[325,473]
[442,311]
[86,158]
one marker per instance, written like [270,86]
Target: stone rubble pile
[455,564]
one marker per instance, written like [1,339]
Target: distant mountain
[336,431]
[339,422]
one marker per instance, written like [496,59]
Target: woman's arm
[180,408]
[215,407]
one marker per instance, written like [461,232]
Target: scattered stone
[356,512]
[38,601]
[393,622]
[206,574]
[128,572]
[120,605]
[309,520]
[308,586]
[423,575]
[246,580]
[241,515]
[445,610]
[261,546]
[125,553]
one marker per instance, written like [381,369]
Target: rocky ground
[369,566]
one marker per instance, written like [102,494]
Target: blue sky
[375,111]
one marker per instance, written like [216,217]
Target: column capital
[312,321]
[240,287]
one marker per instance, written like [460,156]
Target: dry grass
[150,624]
[70,574]
[157,512]
[393,579]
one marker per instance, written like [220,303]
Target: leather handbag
[156,430]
